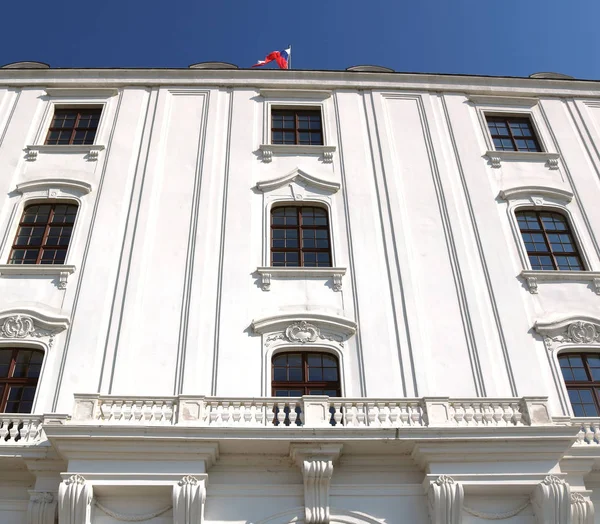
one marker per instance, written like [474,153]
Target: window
[297,374]
[549,242]
[19,373]
[300,237]
[73,126]
[44,234]
[295,126]
[581,372]
[512,134]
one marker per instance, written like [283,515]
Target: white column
[41,508]
[552,501]
[189,496]
[74,501]
[316,463]
[582,509]
[445,501]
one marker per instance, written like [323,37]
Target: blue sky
[488,37]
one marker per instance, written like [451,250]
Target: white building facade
[267,297]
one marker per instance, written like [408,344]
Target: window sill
[336,273]
[532,278]
[268,150]
[62,272]
[90,151]
[497,157]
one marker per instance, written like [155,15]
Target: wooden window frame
[297,130]
[10,381]
[74,129]
[506,119]
[543,231]
[592,384]
[299,227]
[305,384]
[47,225]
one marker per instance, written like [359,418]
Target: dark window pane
[73,126]
[49,232]
[296,127]
[512,134]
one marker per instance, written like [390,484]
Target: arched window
[297,374]
[300,237]
[19,373]
[581,372]
[549,242]
[44,234]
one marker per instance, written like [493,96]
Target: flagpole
[290,58]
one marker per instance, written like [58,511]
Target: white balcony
[309,412]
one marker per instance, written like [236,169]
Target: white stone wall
[174,223]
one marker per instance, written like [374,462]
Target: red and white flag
[283,58]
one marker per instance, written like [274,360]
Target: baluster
[416,414]
[507,413]
[459,414]
[497,413]
[394,415]
[236,413]
[292,415]
[14,429]
[170,410]
[337,413]
[517,414]
[270,415]
[26,432]
[349,415]
[127,405]
[404,415]
[247,414]
[214,413]
[382,415]
[281,414]
[371,413]
[259,414]
[225,413]
[361,417]
[104,412]
[117,410]
[488,413]
[596,435]
[136,411]
[469,412]
[3,430]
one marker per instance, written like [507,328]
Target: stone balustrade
[310,411]
[302,412]
[20,429]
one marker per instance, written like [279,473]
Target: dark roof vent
[213,65]
[552,76]
[370,69]
[26,65]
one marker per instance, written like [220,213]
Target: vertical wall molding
[216,339]
[480,250]
[42,508]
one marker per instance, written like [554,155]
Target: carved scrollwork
[302,332]
[23,326]
[75,479]
[577,332]
[188,480]
[582,332]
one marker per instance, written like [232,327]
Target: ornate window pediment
[572,331]
[299,178]
[29,324]
[305,329]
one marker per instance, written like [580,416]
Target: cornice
[335,323]
[297,79]
[536,191]
[298,175]
[82,188]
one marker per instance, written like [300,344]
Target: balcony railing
[20,429]
[280,413]
[309,411]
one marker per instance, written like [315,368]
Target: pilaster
[42,507]
[582,509]
[74,501]
[316,463]
[446,498]
[551,500]
[189,497]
